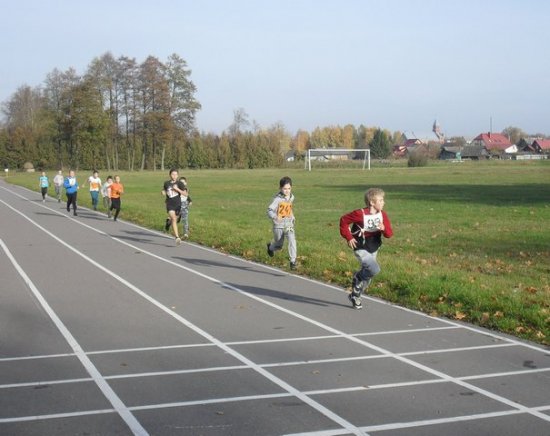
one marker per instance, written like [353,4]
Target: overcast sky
[397,64]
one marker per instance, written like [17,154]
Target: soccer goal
[337,154]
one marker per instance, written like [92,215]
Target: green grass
[472,240]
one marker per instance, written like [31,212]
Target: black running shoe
[167,224]
[293,266]
[270,252]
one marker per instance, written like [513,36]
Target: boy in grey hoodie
[281,214]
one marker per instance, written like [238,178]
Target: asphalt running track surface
[109,328]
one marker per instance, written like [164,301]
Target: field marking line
[405,360]
[43,356]
[107,391]
[412,424]
[253,342]
[457,350]
[56,416]
[46,383]
[272,365]
[350,428]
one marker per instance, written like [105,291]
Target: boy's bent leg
[369,268]
[278,240]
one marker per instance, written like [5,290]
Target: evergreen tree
[380,146]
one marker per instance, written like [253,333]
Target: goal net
[338,155]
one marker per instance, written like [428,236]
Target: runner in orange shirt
[116,191]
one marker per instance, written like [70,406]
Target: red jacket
[360,222]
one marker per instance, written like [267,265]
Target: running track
[109,328]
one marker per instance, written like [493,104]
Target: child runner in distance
[106,194]
[172,189]
[71,189]
[58,185]
[95,185]
[44,184]
[365,238]
[117,190]
[281,214]
[184,210]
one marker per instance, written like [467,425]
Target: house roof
[544,144]
[494,140]
[473,151]
[412,141]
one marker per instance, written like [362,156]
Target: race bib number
[284,210]
[170,192]
[371,223]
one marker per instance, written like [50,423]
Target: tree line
[125,115]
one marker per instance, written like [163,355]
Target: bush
[417,159]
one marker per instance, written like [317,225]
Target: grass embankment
[472,240]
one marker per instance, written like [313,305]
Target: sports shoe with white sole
[355,301]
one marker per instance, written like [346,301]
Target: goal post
[332,154]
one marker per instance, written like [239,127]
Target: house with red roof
[407,146]
[541,145]
[495,143]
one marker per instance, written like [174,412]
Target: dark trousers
[71,199]
[115,205]
[43,191]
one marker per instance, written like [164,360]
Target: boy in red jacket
[365,238]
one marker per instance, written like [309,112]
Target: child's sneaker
[185,236]
[178,241]
[355,301]
[293,266]
[270,252]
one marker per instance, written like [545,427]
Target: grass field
[472,240]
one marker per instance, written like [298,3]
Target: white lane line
[44,356]
[176,372]
[56,416]
[456,350]
[276,380]
[505,374]
[111,396]
[318,361]
[271,365]
[412,424]
[260,342]
[141,349]
[217,401]
[410,362]
[46,383]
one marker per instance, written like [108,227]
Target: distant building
[541,146]
[533,148]
[495,143]
[407,146]
[457,152]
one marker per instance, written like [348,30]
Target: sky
[473,65]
